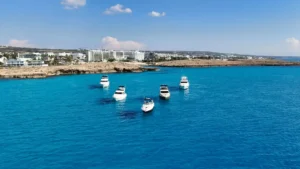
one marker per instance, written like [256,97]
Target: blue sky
[266,27]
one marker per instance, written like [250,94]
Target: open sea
[231,117]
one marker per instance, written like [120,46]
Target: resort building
[30,56]
[50,53]
[36,63]
[94,56]
[16,62]
[105,55]
[63,54]
[79,56]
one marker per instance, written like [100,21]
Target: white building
[36,63]
[63,54]
[105,55]
[50,53]
[120,55]
[100,55]
[139,56]
[79,56]
[32,56]
[94,56]
[16,62]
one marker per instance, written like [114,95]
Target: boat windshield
[118,92]
[184,78]
[183,82]
[164,91]
[147,101]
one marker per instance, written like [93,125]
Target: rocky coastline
[217,63]
[88,68]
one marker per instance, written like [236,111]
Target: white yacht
[184,83]
[104,81]
[148,105]
[164,92]
[122,88]
[120,94]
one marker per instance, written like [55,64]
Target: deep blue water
[234,117]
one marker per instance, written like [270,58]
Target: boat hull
[119,97]
[184,86]
[165,96]
[104,84]
[147,108]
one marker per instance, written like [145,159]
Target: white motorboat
[120,94]
[148,105]
[104,81]
[122,88]
[184,83]
[164,92]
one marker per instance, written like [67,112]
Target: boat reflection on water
[120,105]
[106,90]
[186,94]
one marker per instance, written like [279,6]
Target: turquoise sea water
[234,117]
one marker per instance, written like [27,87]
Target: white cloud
[73,4]
[295,43]
[117,9]
[19,43]
[157,14]
[109,42]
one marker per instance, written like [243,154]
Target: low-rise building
[36,63]
[16,62]
[79,56]
[49,53]
[63,54]
[32,56]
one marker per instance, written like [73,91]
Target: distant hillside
[41,50]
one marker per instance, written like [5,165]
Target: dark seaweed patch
[128,114]
[104,101]
[174,88]
[93,87]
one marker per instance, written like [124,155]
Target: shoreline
[88,68]
[221,63]
[124,67]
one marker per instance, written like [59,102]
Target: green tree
[14,55]
[68,59]
[111,60]
[55,61]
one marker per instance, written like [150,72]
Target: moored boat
[122,88]
[120,94]
[164,92]
[148,105]
[104,82]
[184,83]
